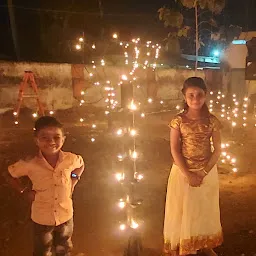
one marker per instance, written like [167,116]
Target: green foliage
[215,6]
[171,18]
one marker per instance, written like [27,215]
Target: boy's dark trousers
[56,238]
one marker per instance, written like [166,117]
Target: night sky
[124,16]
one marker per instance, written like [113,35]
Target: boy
[53,174]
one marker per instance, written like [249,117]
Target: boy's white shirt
[53,204]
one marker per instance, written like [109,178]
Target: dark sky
[120,12]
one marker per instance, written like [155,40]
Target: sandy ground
[96,215]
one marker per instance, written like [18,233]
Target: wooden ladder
[28,78]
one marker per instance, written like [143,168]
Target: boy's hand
[29,195]
[194,179]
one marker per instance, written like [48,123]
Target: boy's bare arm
[15,183]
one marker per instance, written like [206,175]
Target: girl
[192,216]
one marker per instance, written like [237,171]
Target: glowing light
[34,115]
[121,204]
[81,39]
[224,153]
[132,106]
[94,126]
[119,132]
[134,224]
[115,36]
[134,155]
[124,77]
[142,115]
[16,122]
[120,176]
[51,112]
[92,139]
[15,113]
[178,107]
[234,169]
[82,92]
[150,100]
[233,160]
[81,120]
[133,132]
[122,227]
[93,46]
[78,46]
[139,177]
[120,157]
[216,53]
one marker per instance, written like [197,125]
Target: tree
[215,6]
[173,20]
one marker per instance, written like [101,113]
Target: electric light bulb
[92,139]
[15,113]
[34,115]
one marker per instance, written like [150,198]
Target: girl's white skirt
[192,214]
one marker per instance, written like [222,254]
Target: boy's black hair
[47,121]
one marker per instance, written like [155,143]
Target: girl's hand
[194,179]
[201,174]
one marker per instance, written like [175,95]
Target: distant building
[233,64]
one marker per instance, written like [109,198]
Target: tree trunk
[13,29]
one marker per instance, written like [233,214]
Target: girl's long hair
[194,82]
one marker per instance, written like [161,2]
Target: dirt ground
[96,215]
